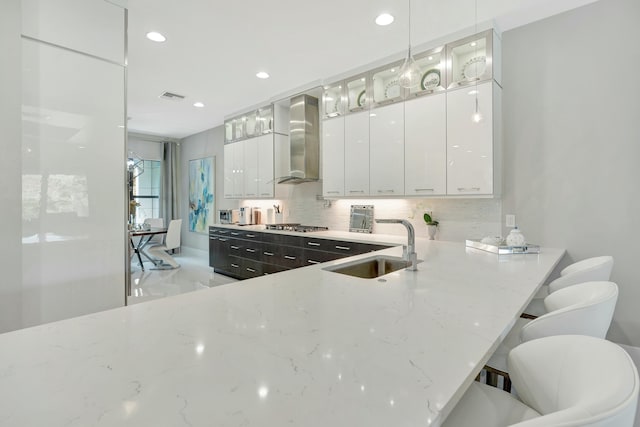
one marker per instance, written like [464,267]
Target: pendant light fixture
[476,117]
[409,72]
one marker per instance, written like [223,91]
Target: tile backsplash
[459,219]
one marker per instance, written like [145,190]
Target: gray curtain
[170,182]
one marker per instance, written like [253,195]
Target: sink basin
[370,268]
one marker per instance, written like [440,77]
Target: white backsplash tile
[459,219]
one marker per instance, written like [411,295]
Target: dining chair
[562,380]
[171,241]
[155,223]
[587,270]
[582,309]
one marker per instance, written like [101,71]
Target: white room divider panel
[73,179]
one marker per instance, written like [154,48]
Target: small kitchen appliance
[246,216]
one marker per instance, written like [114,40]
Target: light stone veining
[306,347]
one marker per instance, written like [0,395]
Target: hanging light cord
[409,27]
[475,31]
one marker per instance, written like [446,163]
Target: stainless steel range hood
[304,141]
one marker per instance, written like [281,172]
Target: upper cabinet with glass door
[357,98]
[385,88]
[251,124]
[432,72]
[228,131]
[265,119]
[333,100]
[472,60]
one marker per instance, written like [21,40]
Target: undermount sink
[370,268]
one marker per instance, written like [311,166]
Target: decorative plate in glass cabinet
[332,100]
[357,93]
[470,59]
[432,68]
[385,86]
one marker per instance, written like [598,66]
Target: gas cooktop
[295,227]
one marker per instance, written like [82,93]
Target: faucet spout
[410,254]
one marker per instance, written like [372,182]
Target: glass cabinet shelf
[385,87]
[265,119]
[432,69]
[332,100]
[238,128]
[228,131]
[470,60]
[251,124]
[357,93]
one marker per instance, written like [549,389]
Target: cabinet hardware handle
[213,238]
[251,235]
[223,240]
[235,265]
[268,253]
[386,191]
[251,250]
[265,194]
[333,192]
[251,270]
[469,189]
[223,231]
[234,234]
[356,191]
[343,248]
[235,247]
[251,194]
[313,244]
[289,257]
[313,262]
[423,189]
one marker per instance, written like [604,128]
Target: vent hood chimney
[304,141]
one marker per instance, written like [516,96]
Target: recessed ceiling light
[198,104]
[262,75]
[384,19]
[156,36]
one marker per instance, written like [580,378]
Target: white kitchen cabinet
[471,145]
[234,170]
[265,166]
[425,155]
[333,157]
[356,154]
[250,167]
[387,150]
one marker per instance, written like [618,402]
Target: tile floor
[194,274]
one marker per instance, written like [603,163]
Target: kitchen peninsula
[304,347]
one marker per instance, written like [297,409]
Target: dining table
[144,238]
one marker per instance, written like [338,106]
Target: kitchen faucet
[409,251]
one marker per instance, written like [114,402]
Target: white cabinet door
[250,176]
[387,150]
[470,144]
[333,157]
[238,169]
[425,145]
[229,173]
[356,154]
[265,166]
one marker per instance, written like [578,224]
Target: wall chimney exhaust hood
[304,141]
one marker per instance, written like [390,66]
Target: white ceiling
[214,48]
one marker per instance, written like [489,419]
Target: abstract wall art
[201,194]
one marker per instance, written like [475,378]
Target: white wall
[10,166]
[572,140]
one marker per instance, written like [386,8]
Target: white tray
[504,250]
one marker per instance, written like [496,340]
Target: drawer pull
[251,235]
[290,257]
[386,191]
[251,194]
[234,234]
[333,192]
[265,194]
[343,248]
[235,265]
[469,189]
[356,191]
[223,231]
[251,250]
[222,240]
[235,247]
[268,253]
[313,244]
[423,189]
[251,270]
[313,262]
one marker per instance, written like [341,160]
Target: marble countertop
[305,347]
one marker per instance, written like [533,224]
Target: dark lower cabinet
[247,254]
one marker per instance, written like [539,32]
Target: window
[145,189]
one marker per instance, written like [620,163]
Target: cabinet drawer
[290,257]
[251,268]
[312,257]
